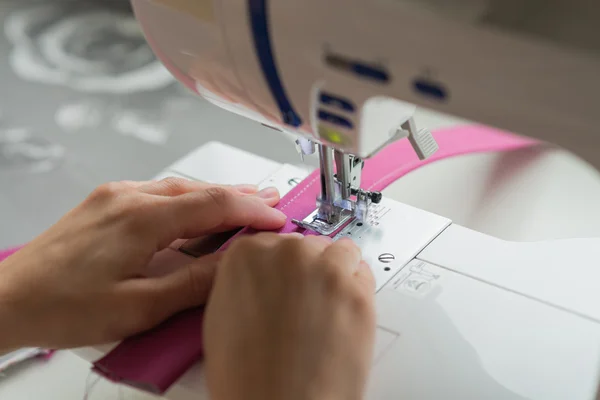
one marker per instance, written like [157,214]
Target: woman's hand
[290,318]
[82,282]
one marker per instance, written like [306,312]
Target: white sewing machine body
[341,73]
[347,76]
[461,315]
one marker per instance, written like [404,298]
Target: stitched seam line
[293,199]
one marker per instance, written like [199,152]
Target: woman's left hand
[82,282]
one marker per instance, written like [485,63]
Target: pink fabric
[5,253]
[156,359]
[139,363]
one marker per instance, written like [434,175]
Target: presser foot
[314,223]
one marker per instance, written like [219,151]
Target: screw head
[386,258]
[294,181]
[376,197]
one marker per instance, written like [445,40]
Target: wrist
[13,333]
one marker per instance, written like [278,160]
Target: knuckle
[217,196]
[107,191]
[119,205]
[174,183]
[361,304]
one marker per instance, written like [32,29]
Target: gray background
[32,201]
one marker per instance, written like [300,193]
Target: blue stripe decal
[334,119]
[259,20]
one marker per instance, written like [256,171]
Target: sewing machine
[461,315]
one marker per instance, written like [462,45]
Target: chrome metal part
[336,204]
[329,194]
[305,147]
[348,172]
[314,223]
[361,208]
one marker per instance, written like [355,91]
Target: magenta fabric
[139,363]
[5,253]
[156,359]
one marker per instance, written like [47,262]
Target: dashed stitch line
[293,199]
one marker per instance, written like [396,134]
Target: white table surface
[526,195]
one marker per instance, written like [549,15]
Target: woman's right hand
[290,317]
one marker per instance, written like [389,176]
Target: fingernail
[295,235]
[268,193]
[278,214]
[246,189]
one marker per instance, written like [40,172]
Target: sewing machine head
[345,78]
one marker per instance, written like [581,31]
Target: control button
[375,197]
[335,119]
[363,69]
[371,72]
[430,89]
[337,102]
[386,258]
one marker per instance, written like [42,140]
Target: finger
[264,240]
[293,235]
[137,184]
[317,244]
[365,278]
[215,209]
[344,254]
[177,186]
[172,186]
[269,195]
[185,288]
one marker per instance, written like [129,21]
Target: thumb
[185,288]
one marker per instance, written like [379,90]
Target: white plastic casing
[534,71]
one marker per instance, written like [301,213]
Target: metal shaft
[327,172]
[342,166]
